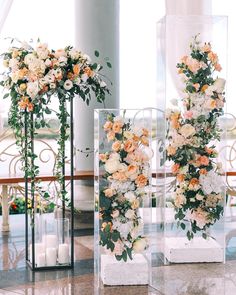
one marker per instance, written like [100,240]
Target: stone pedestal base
[181,250]
[132,272]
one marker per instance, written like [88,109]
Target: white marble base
[132,272]
[181,250]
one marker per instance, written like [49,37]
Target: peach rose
[76,69]
[171,150]
[188,115]
[217,67]
[110,136]
[196,86]
[109,192]
[203,160]
[187,130]
[120,176]
[116,146]
[144,140]
[204,87]
[180,177]
[184,59]
[103,157]
[107,126]
[129,146]
[135,204]
[117,127]
[175,168]
[203,171]
[141,180]
[206,47]
[193,64]
[145,132]
[213,57]
[30,107]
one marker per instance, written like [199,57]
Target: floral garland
[33,78]
[192,131]
[126,175]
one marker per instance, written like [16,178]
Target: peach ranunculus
[30,107]
[110,136]
[171,151]
[109,192]
[129,146]
[175,168]
[141,180]
[107,126]
[116,146]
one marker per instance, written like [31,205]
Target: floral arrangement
[126,167]
[192,133]
[33,79]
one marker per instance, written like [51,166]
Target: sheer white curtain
[5,6]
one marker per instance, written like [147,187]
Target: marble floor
[179,279]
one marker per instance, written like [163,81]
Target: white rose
[122,167]
[130,196]
[87,57]
[219,85]
[112,165]
[13,64]
[48,62]
[130,214]
[103,84]
[115,213]
[32,89]
[115,156]
[42,51]
[74,53]
[68,84]
[62,60]
[84,77]
[187,130]
[140,245]
[29,58]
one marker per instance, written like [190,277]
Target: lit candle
[41,259]
[50,241]
[63,253]
[51,256]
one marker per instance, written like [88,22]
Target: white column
[97,28]
[188,7]
[5,209]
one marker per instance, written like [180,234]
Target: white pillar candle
[50,241]
[39,248]
[63,253]
[41,259]
[51,256]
